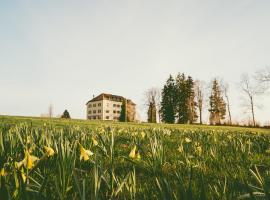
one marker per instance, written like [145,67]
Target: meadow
[78,159]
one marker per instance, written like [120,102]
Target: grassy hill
[77,159]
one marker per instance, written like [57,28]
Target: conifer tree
[217,104]
[181,99]
[191,103]
[123,114]
[66,115]
[168,101]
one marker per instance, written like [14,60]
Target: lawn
[77,159]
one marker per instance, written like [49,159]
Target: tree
[152,102]
[217,104]
[185,99]
[181,103]
[123,114]
[251,90]
[152,113]
[168,101]
[190,99]
[225,88]
[50,111]
[263,75]
[66,115]
[199,97]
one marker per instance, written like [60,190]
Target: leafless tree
[50,111]
[199,96]
[225,88]
[251,89]
[153,96]
[263,75]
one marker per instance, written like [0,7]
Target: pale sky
[63,52]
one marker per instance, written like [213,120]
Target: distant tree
[199,97]
[152,102]
[123,114]
[225,88]
[168,101]
[152,113]
[185,99]
[263,75]
[251,89]
[181,103]
[50,111]
[190,99]
[217,104]
[66,115]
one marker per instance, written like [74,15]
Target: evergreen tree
[66,115]
[152,112]
[191,103]
[217,104]
[123,114]
[168,101]
[185,99]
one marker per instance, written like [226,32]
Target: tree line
[183,100]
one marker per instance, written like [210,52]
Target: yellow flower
[132,153]
[2,172]
[199,150]
[28,161]
[143,135]
[49,151]
[95,142]
[181,148]
[23,175]
[85,154]
[187,140]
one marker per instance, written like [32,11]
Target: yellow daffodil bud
[2,172]
[95,142]
[132,153]
[187,140]
[49,151]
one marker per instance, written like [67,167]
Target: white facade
[104,110]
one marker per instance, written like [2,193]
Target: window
[99,104]
[114,105]
[94,117]
[90,106]
[107,117]
[114,111]
[94,111]
[99,111]
[107,111]
[99,117]
[118,111]
[118,106]
[89,112]
[94,105]
[108,104]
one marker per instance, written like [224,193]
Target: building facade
[108,107]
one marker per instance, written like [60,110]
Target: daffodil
[85,154]
[133,154]
[187,140]
[180,148]
[143,135]
[49,151]
[95,142]
[28,161]
[2,172]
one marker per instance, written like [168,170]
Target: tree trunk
[252,111]
[229,109]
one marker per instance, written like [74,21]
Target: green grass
[170,161]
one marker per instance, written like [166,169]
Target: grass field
[78,159]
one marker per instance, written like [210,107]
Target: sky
[64,52]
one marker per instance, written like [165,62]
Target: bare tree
[251,91]
[199,97]
[263,75]
[153,98]
[225,88]
[50,111]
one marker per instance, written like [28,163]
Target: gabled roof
[111,97]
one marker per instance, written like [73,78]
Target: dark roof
[105,96]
